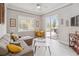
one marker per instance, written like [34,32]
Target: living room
[30,21]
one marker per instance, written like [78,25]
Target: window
[54,22]
[51,23]
[25,23]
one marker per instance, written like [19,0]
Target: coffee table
[41,42]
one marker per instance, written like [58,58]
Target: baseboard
[63,42]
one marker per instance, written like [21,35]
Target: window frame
[26,18]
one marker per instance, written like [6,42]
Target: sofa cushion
[3,50]
[4,41]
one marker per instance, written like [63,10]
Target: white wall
[14,14]
[65,13]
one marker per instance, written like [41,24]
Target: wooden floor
[28,54]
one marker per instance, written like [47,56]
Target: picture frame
[37,23]
[77,20]
[73,21]
[61,21]
[12,22]
[67,23]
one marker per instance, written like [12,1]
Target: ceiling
[32,7]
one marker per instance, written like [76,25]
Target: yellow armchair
[39,34]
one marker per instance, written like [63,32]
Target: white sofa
[25,47]
[4,41]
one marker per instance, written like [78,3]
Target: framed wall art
[73,21]
[67,23]
[77,20]
[62,21]
[12,22]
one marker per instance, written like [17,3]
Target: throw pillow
[14,48]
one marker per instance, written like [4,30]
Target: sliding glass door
[51,26]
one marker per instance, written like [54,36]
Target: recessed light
[38,6]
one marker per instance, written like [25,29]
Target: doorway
[51,26]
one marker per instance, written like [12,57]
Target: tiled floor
[57,49]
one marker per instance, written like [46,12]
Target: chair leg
[34,50]
[49,50]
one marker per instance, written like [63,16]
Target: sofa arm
[3,50]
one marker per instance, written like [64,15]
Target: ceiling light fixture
[38,6]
